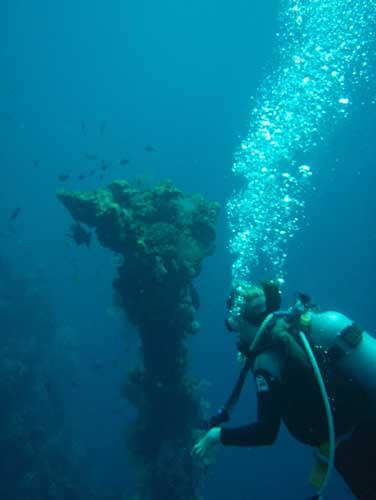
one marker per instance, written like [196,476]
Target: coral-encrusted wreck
[163,236]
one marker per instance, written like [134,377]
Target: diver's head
[248,305]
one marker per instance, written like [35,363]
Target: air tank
[358,363]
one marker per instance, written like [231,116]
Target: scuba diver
[316,372]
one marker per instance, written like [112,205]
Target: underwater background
[93,92]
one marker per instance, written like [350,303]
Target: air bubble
[293,114]
[297,60]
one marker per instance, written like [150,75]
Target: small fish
[102,127]
[97,367]
[144,182]
[81,177]
[83,126]
[63,177]
[90,156]
[14,214]
[124,161]
[104,166]
[79,234]
[150,149]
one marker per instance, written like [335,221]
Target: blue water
[176,75]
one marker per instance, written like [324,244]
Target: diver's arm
[265,430]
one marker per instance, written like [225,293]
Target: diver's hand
[202,450]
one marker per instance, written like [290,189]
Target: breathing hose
[328,411]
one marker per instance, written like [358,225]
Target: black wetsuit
[293,396]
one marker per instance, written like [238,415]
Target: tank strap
[346,341]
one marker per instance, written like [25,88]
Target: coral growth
[35,459]
[163,235]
